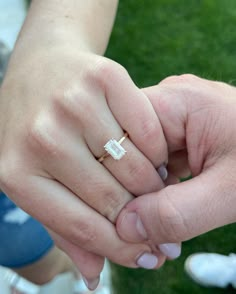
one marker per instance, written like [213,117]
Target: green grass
[154,39]
[171,278]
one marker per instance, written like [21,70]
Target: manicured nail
[91,284]
[135,221]
[147,261]
[163,173]
[171,250]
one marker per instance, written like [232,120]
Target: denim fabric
[23,240]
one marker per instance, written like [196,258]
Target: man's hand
[197,117]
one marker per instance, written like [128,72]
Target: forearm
[84,24]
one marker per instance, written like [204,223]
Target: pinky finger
[89,264]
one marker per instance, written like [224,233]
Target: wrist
[49,38]
[42,34]
[84,24]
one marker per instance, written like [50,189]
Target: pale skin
[47,177]
[61,101]
[197,117]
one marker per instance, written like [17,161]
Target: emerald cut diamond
[115,149]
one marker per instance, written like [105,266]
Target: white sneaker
[212,269]
[10,281]
[65,283]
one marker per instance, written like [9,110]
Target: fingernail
[91,284]
[163,173]
[147,261]
[135,221]
[171,250]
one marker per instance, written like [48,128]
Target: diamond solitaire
[114,148]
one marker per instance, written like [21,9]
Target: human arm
[86,25]
[60,103]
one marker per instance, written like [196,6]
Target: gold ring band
[114,149]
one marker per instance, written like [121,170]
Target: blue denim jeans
[23,240]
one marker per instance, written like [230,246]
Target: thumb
[182,211]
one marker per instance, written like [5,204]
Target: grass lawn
[157,38]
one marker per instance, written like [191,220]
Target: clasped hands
[55,120]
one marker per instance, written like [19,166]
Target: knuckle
[43,137]
[112,204]
[152,132]
[169,80]
[149,129]
[137,173]
[84,234]
[187,78]
[73,102]
[172,222]
[175,79]
[106,71]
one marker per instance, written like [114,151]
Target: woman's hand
[60,103]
